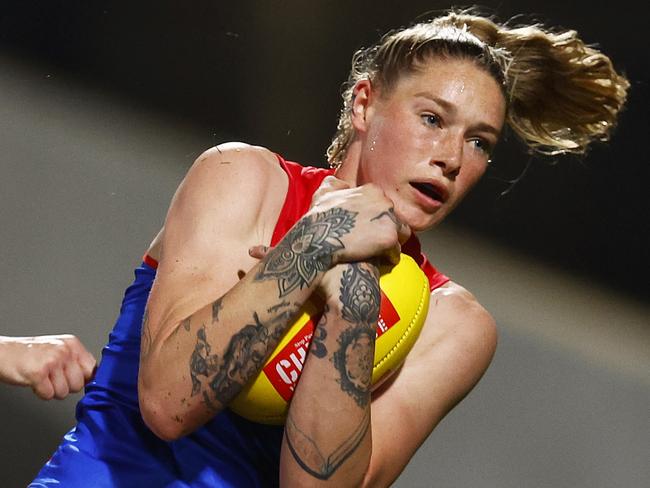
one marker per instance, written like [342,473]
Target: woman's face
[428,140]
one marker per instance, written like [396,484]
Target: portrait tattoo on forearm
[244,358]
[360,300]
[202,363]
[306,250]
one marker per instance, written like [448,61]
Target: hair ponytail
[562,94]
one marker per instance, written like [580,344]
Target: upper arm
[450,356]
[228,201]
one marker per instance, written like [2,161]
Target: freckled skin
[397,146]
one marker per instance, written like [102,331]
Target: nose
[448,156]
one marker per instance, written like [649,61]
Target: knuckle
[43,393]
[371,188]
[38,375]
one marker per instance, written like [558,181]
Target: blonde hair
[561,94]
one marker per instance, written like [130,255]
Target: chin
[419,221]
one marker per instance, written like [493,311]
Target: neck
[349,169]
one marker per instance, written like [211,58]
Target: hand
[361,221]
[53,366]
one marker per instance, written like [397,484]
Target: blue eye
[482,145]
[432,120]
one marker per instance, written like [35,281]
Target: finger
[44,389]
[403,232]
[74,377]
[328,185]
[259,252]
[333,183]
[88,365]
[394,254]
[84,360]
[60,383]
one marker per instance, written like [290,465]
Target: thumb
[259,251]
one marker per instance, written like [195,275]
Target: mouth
[431,190]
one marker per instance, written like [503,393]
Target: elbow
[157,416]
[170,418]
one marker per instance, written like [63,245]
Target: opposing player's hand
[360,220]
[53,365]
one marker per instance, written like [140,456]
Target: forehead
[458,81]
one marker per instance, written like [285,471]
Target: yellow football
[403,309]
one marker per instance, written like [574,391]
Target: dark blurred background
[104,105]
[269,73]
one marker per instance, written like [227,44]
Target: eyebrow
[448,106]
[452,109]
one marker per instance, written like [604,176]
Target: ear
[363,96]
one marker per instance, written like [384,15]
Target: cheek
[468,177]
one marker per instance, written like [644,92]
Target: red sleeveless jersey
[303,182]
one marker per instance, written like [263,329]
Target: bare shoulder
[451,355]
[453,351]
[235,184]
[459,336]
[229,200]
[245,166]
[467,330]
[454,310]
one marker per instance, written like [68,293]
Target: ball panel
[391,349]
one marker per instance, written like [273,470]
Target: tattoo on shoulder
[306,250]
[312,458]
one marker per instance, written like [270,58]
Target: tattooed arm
[331,437]
[327,435]
[206,333]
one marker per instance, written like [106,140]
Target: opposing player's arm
[52,365]
[452,353]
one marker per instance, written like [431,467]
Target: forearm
[193,368]
[327,435]
[9,356]
[198,368]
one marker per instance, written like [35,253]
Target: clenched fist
[360,219]
[53,365]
